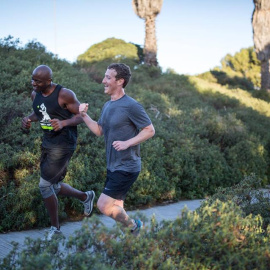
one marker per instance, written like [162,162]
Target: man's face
[110,82]
[39,83]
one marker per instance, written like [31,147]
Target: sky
[192,36]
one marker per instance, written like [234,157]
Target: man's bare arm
[145,134]
[69,101]
[91,124]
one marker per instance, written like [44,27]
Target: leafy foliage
[110,48]
[247,196]
[240,70]
[207,136]
[216,236]
[99,56]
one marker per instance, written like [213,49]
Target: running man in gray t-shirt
[125,124]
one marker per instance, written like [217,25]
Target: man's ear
[120,81]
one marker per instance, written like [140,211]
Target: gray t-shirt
[122,120]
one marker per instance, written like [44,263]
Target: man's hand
[120,145]
[83,109]
[56,124]
[26,123]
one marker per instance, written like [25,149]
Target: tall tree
[261,37]
[148,10]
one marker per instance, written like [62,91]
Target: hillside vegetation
[208,135]
[221,234]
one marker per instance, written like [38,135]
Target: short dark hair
[122,72]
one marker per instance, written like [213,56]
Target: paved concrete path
[166,212]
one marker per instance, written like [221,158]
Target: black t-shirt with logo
[47,108]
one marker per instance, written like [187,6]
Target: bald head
[43,72]
[42,79]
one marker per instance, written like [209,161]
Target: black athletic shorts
[54,163]
[118,183]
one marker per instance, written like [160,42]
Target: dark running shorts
[118,183]
[53,164]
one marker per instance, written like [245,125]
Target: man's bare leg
[51,204]
[114,208]
[67,190]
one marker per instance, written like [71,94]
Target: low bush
[216,236]
[248,195]
[207,136]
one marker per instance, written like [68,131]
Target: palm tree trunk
[265,74]
[150,44]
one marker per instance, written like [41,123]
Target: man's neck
[48,90]
[118,95]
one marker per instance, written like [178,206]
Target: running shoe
[89,202]
[53,233]
[139,226]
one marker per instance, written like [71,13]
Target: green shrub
[248,195]
[207,135]
[110,48]
[232,79]
[216,236]
[99,56]
[241,70]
